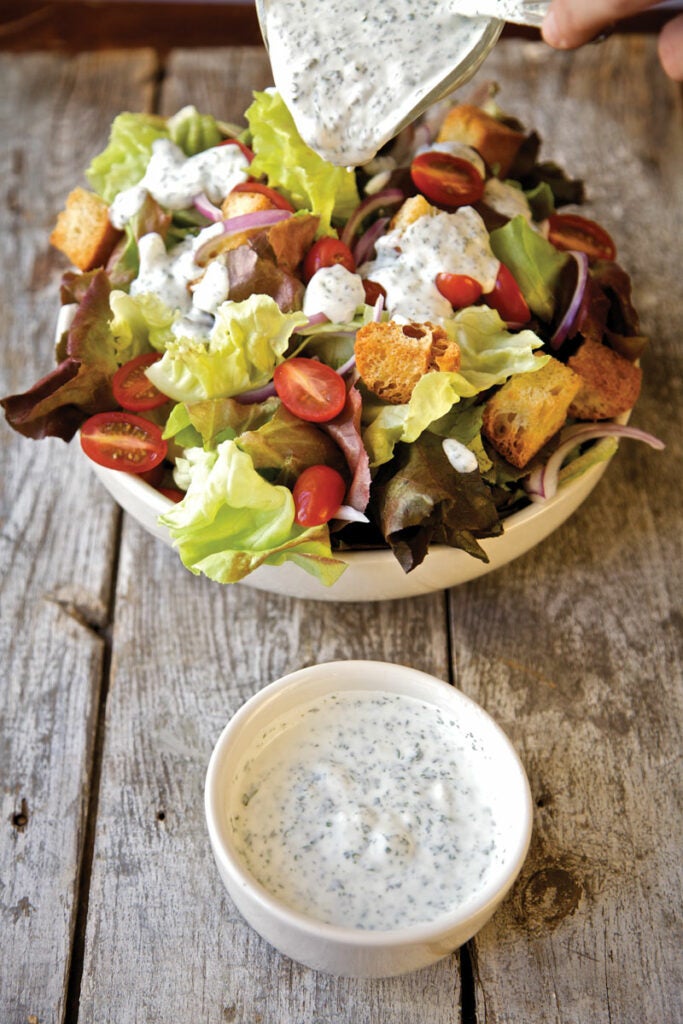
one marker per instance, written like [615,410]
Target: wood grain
[85,25]
[576,648]
[57,541]
[120,668]
[163,909]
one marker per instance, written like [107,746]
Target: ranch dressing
[366,809]
[408,260]
[174,180]
[352,74]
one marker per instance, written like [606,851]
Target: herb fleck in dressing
[366,809]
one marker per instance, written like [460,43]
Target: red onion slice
[245,222]
[572,311]
[348,514]
[388,197]
[542,483]
[314,321]
[207,208]
[363,248]
[347,366]
[257,395]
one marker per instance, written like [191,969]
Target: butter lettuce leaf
[490,353]
[140,323]
[310,182]
[125,159]
[535,263]
[192,131]
[385,425]
[232,520]
[247,341]
[217,419]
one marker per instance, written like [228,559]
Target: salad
[307,359]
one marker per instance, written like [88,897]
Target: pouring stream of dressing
[353,76]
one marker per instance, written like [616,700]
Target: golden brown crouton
[410,211]
[528,410]
[494,141]
[291,239]
[83,231]
[236,204]
[610,384]
[391,357]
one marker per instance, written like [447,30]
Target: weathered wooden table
[119,669]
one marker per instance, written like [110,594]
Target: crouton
[410,211]
[291,239]
[528,410]
[236,204]
[391,358]
[83,231]
[494,141]
[610,384]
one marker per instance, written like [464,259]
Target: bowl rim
[485,899]
[158,504]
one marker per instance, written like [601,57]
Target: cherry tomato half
[460,289]
[318,493]
[120,440]
[172,493]
[570,231]
[446,179]
[507,299]
[236,142]
[310,390]
[325,253]
[278,201]
[131,387]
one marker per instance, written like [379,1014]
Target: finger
[571,23]
[671,48]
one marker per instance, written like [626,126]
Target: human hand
[571,23]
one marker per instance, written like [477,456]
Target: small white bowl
[490,765]
[376,575]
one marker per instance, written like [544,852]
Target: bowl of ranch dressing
[366,818]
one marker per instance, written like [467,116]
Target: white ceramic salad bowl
[376,575]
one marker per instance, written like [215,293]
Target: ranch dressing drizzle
[365,809]
[408,260]
[351,72]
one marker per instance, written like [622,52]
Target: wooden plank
[576,648]
[57,541]
[80,25]
[164,941]
[75,26]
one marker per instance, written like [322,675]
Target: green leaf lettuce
[535,263]
[490,354]
[232,520]
[247,341]
[289,164]
[125,159]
